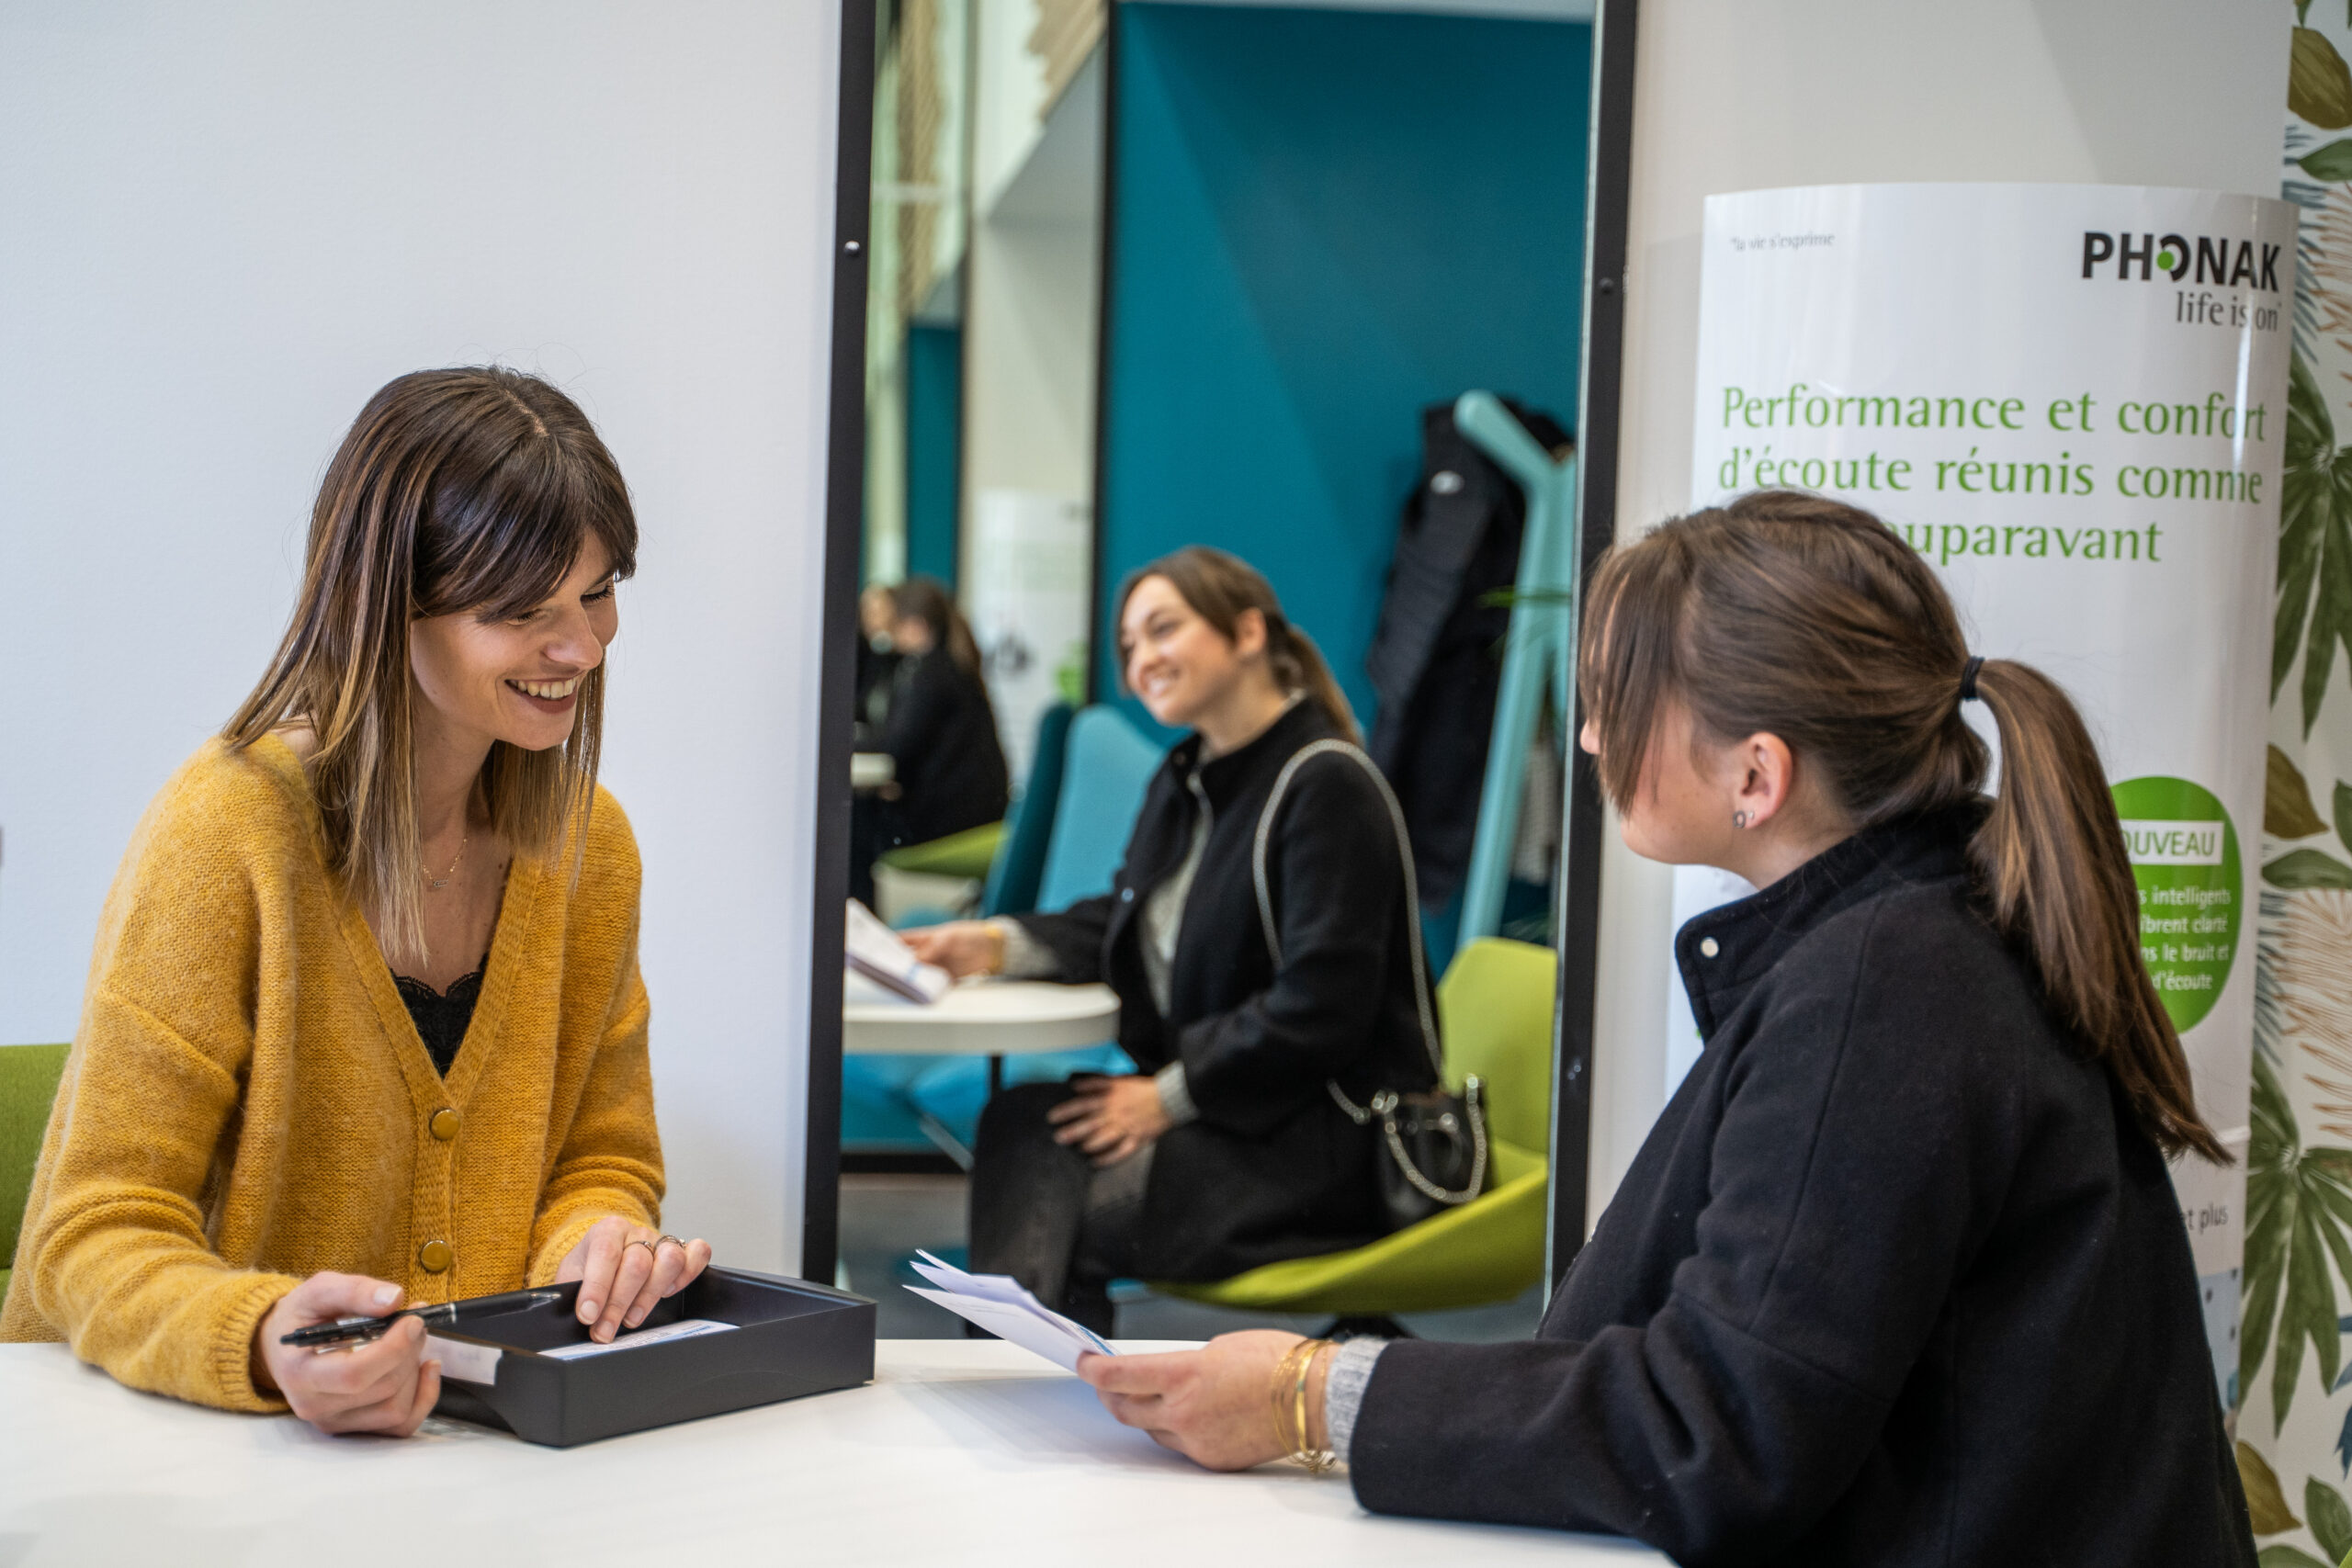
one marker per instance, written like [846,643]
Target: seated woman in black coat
[939,729]
[1898,1277]
[1259,1010]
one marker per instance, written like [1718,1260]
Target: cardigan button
[1126,895]
[1709,947]
[444,1124]
[435,1256]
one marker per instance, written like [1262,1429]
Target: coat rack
[1539,651]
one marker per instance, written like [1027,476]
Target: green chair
[968,853]
[1496,1006]
[28,1075]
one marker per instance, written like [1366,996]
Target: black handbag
[1436,1142]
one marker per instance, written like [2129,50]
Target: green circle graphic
[2184,854]
[2168,259]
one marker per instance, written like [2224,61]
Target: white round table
[985,1018]
[995,1018]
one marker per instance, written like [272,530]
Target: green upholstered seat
[1496,1005]
[967,853]
[28,1075]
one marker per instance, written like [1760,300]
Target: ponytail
[1220,588]
[2052,861]
[1812,620]
[1298,667]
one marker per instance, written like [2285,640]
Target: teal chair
[28,1075]
[879,1114]
[1494,1005]
[1021,861]
[1106,767]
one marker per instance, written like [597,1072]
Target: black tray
[793,1338]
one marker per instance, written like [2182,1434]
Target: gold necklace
[434,885]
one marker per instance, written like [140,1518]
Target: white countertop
[961,1451]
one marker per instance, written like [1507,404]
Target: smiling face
[1180,665]
[517,678]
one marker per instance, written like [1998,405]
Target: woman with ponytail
[1245,1007]
[1898,1277]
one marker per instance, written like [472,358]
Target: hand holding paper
[874,951]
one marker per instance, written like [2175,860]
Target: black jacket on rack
[1435,660]
[1273,1169]
[1896,1279]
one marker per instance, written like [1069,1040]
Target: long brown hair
[926,599]
[1220,587]
[1812,620]
[465,490]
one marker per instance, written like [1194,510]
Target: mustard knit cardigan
[247,1102]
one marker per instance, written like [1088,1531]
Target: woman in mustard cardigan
[364,1025]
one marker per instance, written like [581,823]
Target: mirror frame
[837,696]
[1576,912]
[1578,888]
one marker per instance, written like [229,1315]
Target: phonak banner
[2072,400]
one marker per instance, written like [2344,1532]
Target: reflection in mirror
[1247,262]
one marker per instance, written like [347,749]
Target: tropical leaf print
[2315,1000]
[2315,613]
[2286,808]
[2299,1205]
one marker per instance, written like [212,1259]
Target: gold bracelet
[1291,1377]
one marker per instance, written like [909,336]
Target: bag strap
[1299,759]
[1383,1104]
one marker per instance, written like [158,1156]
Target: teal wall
[934,429]
[1322,221]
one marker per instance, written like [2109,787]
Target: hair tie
[1968,678]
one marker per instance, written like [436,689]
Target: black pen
[359,1330]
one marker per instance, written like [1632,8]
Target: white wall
[1030,312]
[226,224]
[1745,94]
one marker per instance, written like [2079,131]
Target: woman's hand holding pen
[1110,1118]
[625,1270]
[382,1385]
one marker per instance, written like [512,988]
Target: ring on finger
[676,1241]
[652,1249]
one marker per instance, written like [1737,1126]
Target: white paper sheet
[1000,1304]
[684,1328]
[465,1363]
[874,951]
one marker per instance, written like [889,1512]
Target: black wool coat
[1273,1169]
[942,742]
[1896,1279]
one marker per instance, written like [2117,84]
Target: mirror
[1147,276]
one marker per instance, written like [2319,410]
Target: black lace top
[442,1016]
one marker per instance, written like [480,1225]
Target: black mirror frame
[1578,897]
[1576,914]
[845,531]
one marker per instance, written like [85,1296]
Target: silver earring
[1739,818]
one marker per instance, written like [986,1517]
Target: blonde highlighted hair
[471,490]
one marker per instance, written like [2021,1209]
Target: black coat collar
[1223,778]
[1723,953]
